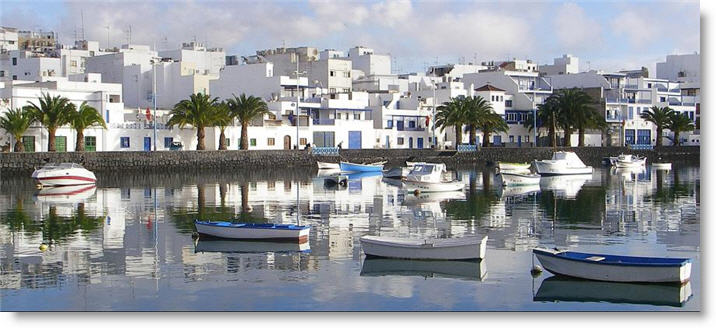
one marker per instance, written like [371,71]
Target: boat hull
[514,179]
[623,272]
[351,167]
[468,248]
[64,177]
[254,232]
[513,166]
[548,169]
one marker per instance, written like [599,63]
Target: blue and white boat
[614,268]
[265,231]
[353,167]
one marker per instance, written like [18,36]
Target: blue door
[629,136]
[410,142]
[497,140]
[354,140]
[400,125]
[519,141]
[643,137]
[147,143]
[387,142]
[420,143]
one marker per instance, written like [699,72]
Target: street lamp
[155,62]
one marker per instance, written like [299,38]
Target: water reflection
[563,289]
[135,230]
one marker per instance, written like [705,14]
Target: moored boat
[629,161]
[562,163]
[353,167]
[397,173]
[661,166]
[505,166]
[614,268]
[465,248]
[267,231]
[328,166]
[64,174]
[428,177]
[519,179]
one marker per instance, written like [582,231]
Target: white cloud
[575,30]
[638,28]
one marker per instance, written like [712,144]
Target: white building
[73,59]
[28,66]
[365,60]
[206,61]
[567,64]
[8,39]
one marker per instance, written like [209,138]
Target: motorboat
[328,166]
[353,167]
[629,161]
[519,179]
[562,163]
[429,177]
[65,194]
[465,248]
[505,166]
[468,270]
[661,166]
[566,289]
[267,231]
[64,174]
[398,173]
[411,164]
[564,185]
[615,268]
[249,246]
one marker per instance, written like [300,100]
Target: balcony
[407,128]
[324,121]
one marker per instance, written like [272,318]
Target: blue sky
[607,35]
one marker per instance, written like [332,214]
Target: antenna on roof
[82,17]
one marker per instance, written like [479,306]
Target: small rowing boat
[465,248]
[353,167]
[267,231]
[614,268]
[328,166]
[562,163]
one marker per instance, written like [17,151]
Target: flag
[149,114]
[427,120]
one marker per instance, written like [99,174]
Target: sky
[606,35]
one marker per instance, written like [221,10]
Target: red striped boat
[64,174]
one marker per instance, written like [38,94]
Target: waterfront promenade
[288,159]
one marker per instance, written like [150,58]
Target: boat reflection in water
[65,194]
[468,270]
[628,173]
[566,186]
[514,191]
[242,246]
[410,199]
[564,289]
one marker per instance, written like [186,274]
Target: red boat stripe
[72,177]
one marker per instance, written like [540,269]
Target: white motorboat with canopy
[430,177]
[64,174]
[562,163]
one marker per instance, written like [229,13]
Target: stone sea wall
[168,161]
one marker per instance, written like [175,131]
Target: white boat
[66,194]
[629,161]
[519,179]
[469,270]
[562,163]
[465,248]
[411,164]
[397,173]
[614,268]
[661,166]
[504,166]
[328,166]
[64,174]
[267,231]
[429,177]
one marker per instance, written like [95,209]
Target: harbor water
[127,243]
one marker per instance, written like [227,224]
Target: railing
[324,121]
[405,128]
[325,151]
[466,148]
[641,147]
[139,126]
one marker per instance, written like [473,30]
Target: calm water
[127,244]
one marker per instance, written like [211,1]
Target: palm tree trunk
[568,137]
[19,146]
[51,138]
[553,131]
[473,134]
[676,138]
[200,138]
[658,136]
[244,135]
[222,140]
[458,134]
[485,139]
[581,137]
[244,198]
[80,144]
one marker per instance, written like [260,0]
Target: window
[73,63]
[630,114]
[346,74]
[28,142]
[2,73]
[14,61]
[411,124]
[125,194]
[14,77]
[401,140]
[228,143]
[124,142]
[302,141]
[252,142]
[271,141]
[662,99]
[356,116]
[389,124]
[147,193]
[512,138]
[168,141]
[90,143]
[508,103]
[332,73]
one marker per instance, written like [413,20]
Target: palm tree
[660,117]
[576,106]
[16,122]
[223,117]
[196,111]
[451,114]
[490,123]
[548,114]
[679,123]
[53,112]
[476,109]
[83,118]
[245,109]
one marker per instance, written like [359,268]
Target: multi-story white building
[567,64]
[365,60]
[8,39]
[207,61]
[28,66]
[73,59]
[685,69]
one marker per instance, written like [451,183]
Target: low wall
[291,159]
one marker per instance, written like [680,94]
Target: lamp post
[154,98]
[435,103]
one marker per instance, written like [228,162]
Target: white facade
[28,66]
[8,39]
[365,60]
[73,59]
[206,61]
[567,64]
[681,68]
